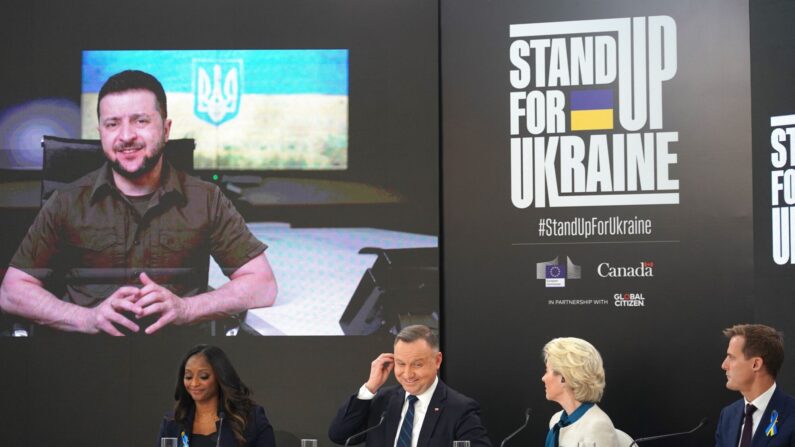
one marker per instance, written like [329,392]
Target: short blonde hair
[580,365]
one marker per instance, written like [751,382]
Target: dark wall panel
[94,391]
[772,79]
[695,263]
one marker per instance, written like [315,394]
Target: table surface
[317,271]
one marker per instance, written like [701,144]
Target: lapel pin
[771,429]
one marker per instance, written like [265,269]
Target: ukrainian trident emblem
[217,89]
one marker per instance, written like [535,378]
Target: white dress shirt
[760,403]
[420,408]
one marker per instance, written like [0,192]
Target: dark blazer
[258,432]
[451,417]
[730,423]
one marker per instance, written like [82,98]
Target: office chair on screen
[66,160]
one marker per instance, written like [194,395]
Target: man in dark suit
[765,416]
[421,412]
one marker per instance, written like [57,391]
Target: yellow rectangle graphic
[591,119]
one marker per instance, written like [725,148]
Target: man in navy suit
[421,412]
[765,416]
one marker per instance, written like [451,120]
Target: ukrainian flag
[289,109]
[591,109]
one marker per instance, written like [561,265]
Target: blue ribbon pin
[184,439]
[772,429]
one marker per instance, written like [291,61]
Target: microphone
[703,422]
[380,421]
[221,416]
[526,420]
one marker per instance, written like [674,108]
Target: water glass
[168,442]
[460,443]
[309,443]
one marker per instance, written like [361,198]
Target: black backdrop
[772,80]
[77,390]
[663,360]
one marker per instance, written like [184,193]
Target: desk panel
[317,271]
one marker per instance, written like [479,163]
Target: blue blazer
[451,416]
[730,423]
[258,431]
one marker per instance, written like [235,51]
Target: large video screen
[247,109]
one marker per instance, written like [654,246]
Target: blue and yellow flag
[246,109]
[592,109]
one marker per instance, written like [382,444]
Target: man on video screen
[133,239]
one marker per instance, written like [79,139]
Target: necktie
[404,436]
[748,426]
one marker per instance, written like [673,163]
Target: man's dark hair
[135,80]
[760,341]
[418,332]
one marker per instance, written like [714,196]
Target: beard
[149,163]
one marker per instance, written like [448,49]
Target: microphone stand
[526,420]
[670,435]
[380,421]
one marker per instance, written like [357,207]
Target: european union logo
[555,271]
[592,109]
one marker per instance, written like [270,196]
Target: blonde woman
[575,379]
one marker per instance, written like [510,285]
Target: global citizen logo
[629,300]
[554,273]
[644,269]
[586,113]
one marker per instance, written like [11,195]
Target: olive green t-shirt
[88,239]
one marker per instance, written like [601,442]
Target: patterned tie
[748,426]
[404,437]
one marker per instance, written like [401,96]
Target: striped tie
[404,437]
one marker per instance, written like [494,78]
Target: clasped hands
[150,299]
